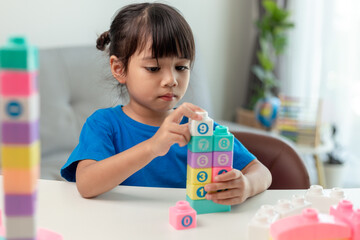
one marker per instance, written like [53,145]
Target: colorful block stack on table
[20,141]
[20,150]
[210,153]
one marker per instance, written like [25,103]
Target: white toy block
[205,127]
[259,226]
[20,109]
[322,200]
[23,227]
[287,208]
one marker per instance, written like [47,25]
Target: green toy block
[223,139]
[201,144]
[207,206]
[19,55]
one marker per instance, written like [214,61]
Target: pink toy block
[219,170]
[18,83]
[45,234]
[182,216]
[310,225]
[199,160]
[222,159]
[345,212]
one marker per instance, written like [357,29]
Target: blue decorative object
[266,111]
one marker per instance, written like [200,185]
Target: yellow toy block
[20,156]
[199,175]
[20,181]
[195,192]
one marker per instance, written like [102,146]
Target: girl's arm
[96,177]
[239,185]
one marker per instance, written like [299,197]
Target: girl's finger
[231,175]
[186,109]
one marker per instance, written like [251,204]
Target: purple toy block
[18,83]
[199,160]
[20,204]
[182,216]
[222,159]
[20,132]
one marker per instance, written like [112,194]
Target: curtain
[323,61]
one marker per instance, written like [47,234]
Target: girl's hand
[230,188]
[171,132]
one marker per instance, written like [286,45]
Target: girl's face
[155,86]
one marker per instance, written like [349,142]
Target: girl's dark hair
[135,24]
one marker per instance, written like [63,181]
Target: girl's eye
[181,68]
[152,69]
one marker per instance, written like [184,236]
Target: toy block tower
[210,153]
[20,143]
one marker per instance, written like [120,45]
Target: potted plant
[272,28]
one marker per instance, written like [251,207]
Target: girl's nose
[169,80]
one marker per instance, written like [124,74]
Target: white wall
[223,30]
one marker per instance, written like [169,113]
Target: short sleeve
[242,156]
[95,142]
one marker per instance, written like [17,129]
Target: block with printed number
[20,109]
[223,139]
[198,175]
[201,144]
[199,160]
[201,128]
[219,170]
[195,192]
[222,159]
[182,216]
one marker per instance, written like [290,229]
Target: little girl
[143,143]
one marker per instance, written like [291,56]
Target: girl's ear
[117,69]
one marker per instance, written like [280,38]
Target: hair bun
[103,40]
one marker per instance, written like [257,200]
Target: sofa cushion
[73,83]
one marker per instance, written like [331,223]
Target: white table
[141,213]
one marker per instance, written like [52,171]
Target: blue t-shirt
[110,131]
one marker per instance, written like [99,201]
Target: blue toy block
[201,144]
[223,139]
[17,54]
[207,206]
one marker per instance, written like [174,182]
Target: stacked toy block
[20,150]
[315,198]
[210,153]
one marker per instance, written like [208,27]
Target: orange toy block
[20,181]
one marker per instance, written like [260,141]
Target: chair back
[287,169]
